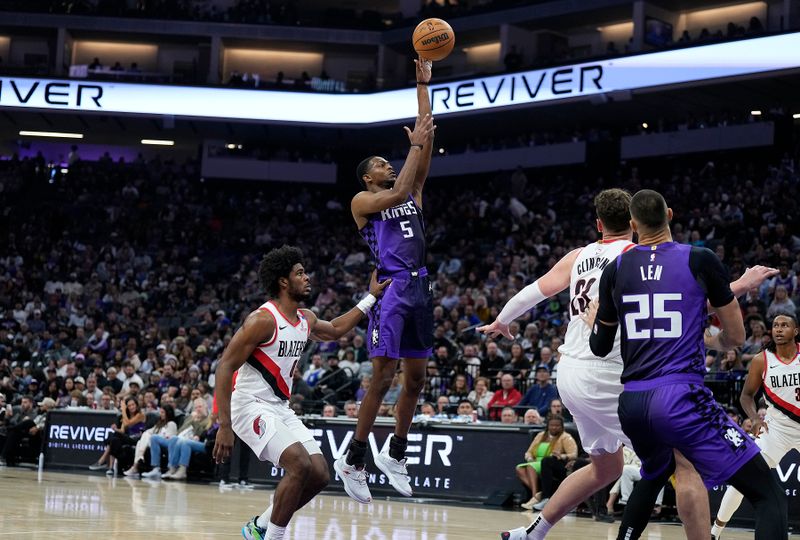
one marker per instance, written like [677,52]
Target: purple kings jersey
[396,237]
[659,293]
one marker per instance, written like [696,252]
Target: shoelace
[360,476]
[400,467]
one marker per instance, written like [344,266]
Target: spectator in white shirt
[128,376]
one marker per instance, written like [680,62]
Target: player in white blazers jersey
[777,370]
[265,351]
[590,386]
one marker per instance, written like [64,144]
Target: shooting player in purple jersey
[388,214]
[658,292]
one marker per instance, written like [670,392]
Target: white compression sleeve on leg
[524,300]
[730,503]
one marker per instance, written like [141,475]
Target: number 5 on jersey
[408,232]
[659,313]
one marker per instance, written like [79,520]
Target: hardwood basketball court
[80,506]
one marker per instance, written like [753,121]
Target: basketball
[433,39]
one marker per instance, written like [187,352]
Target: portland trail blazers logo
[259,426]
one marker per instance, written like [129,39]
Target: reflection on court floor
[81,505]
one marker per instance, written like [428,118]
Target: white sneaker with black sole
[395,472]
[354,480]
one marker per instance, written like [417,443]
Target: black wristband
[422,83]
[417,145]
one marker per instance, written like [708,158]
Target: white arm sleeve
[521,302]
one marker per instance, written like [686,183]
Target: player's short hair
[613,208]
[277,264]
[649,209]
[363,168]
[771,346]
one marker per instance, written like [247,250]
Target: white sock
[730,503]
[274,532]
[716,530]
[263,519]
[539,528]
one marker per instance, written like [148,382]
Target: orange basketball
[433,39]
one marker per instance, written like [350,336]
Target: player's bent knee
[381,381]
[608,466]
[321,474]
[296,461]
[323,479]
[381,386]
[302,469]
[609,471]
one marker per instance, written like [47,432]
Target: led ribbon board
[659,69]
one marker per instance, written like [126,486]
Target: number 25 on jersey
[653,307]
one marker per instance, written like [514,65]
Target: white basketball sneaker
[515,534]
[395,471]
[354,480]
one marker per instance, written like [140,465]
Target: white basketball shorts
[783,435]
[269,428]
[590,390]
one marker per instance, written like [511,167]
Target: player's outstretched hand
[590,314]
[757,427]
[376,287]
[423,66]
[495,329]
[223,444]
[423,130]
[755,276]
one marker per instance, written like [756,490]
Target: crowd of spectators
[302,83]
[512,137]
[274,12]
[124,282]
[561,51]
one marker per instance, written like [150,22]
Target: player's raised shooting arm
[322,330]
[423,69]
[606,320]
[257,328]
[752,384]
[367,202]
